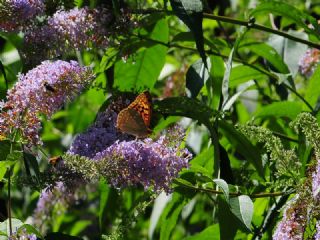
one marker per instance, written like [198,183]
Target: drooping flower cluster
[309,62]
[22,234]
[107,152]
[41,91]
[142,162]
[16,15]
[75,29]
[101,134]
[294,220]
[316,183]
[317,235]
[129,163]
[52,202]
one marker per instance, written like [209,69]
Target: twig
[238,22]
[234,194]
[9,202]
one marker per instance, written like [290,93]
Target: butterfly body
[135,119]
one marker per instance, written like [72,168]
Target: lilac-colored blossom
[146,162]
[22,234]
[98,137]
[78,28]
[41,91]
[52,202]
[17,15]
[124,161]
[317,235]
[309,62]
[316,183]
[66,31]
[293,222]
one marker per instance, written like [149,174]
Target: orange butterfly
[135,119]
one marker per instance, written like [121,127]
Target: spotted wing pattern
[135,119]
[142,104]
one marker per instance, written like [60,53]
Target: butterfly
[135,119]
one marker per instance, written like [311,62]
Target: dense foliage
[179,119]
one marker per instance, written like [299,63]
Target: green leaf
[4,149]
[108,204]
[158,207]
[104,193]
[243,146]
[108,59]
[224,186]
[226,77]
[4,74]
[31,229]
[234,98]
[227,73]
[242,208]
[170,215]
[4,166]
[79,226]
[4,226]
[313,90]
[184,106]
[142,69]
[228,223]
[290,50]
[196,77]
[14,156]
[183,182]
[190,12]
[217,71]
[205,160]
[289,11]
[241,74]
[280,109]
[33,163]
[209,233]
[270,54]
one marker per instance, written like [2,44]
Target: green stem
[233,194]
[260,27]
[9,202]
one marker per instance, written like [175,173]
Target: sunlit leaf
[142,69]
[242,208]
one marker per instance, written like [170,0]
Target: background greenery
[238,62]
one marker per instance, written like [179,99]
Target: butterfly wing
[131,122]
[142,104]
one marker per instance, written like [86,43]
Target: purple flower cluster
[293,222]
[52,201]
[75,29]
[22,234]
[309,62]
[43,90]
[81,27]
[99,136]
[146,162]
[17,15]
[316,183]
[317,235]
[124,161]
